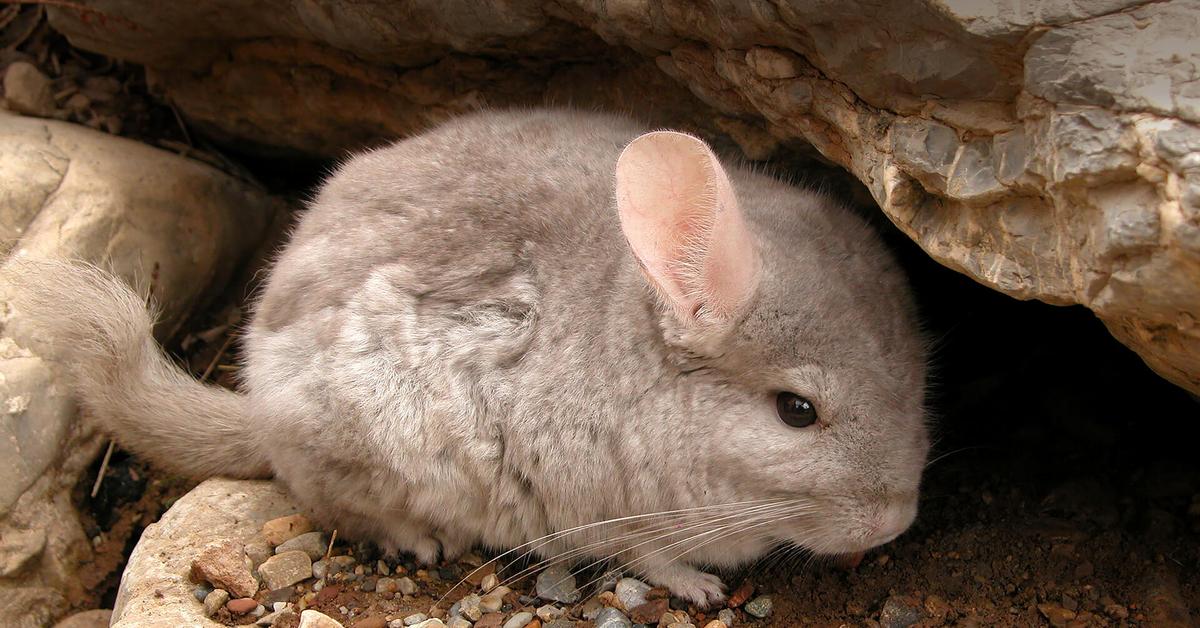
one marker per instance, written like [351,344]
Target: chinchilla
[550,330]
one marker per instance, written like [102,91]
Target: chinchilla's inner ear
[681,217]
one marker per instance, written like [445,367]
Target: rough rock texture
[170,222]
[156,590]
[1047,149]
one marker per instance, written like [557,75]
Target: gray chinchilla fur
[526,323]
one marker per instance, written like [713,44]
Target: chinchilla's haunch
[550,330]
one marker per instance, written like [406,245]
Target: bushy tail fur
[101,331]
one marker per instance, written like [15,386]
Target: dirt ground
[1064,488]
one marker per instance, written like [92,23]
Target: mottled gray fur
[458,347]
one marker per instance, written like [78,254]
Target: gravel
[759,607]
[612,618]
[286,569]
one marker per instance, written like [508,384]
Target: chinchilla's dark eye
[795,410]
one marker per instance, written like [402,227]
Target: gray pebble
[759,607]
[201,592]
[311,543]
[469,607]
[286,569]
[550,612]
[415,618]
[560,623]
[431,623]
[320,569]
[631,592]
[726,616]
[458,622]
[406,585]
[896,614]
[519,620]
[214,601]
[557,583]
[612,618]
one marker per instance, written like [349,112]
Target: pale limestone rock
[156,589]
[68,191]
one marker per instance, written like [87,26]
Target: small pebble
[612,618]
[277,531]
[489,582]
[716,623]
[469,607]
[458,622]
[557,583]
[368,584]
[519,620]
[649,612]
[494,601]
[726,616]
[899,612]
[214,601]
[311,543]
[550,612]
[741,594]
[201,592]
[760,606]
[241,606]
[631,592]
[382,568]
[286,569]
[415,619]
[279,606]
[591,608]
[224,566]
[320,569]
[316,619]
[407,586]
[560,623]
[431,623]
[386,585]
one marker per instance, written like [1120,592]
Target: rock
[648,612]
[286,569]
[70,192]
[899,612]
[314,619]
[489,582]
[311,543]
[631,592]
[760,607]
[18,548]
[280,530]
[214,601]
[494,600]
[415,619]
[27,90]
[406,586]
[154,589]
[241,606]
[726,616]
[560,623]
[557,583]
[550,612]
[937,607]
[612,618]
[458,622]
[375,621]
[716,623]
[431,623]
[223,565]
[1077,141]
[87,619]
[519,620]
[469,607]
[741,594]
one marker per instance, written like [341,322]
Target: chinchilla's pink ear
[682,220]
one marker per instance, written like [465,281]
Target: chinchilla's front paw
[688,583]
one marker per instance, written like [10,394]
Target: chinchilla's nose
[891,520]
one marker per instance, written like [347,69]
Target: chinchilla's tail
[101,331]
